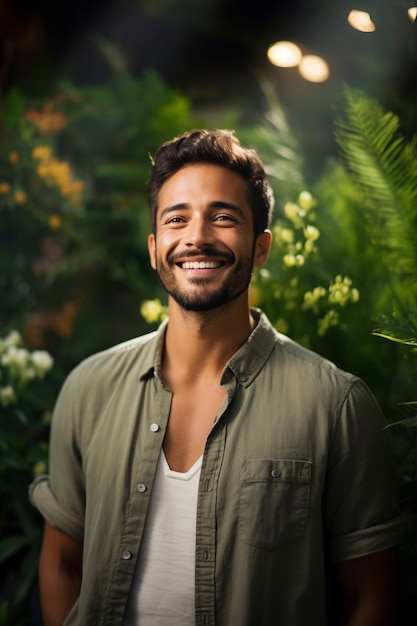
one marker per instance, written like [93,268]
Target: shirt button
[154,427]
[126,555]
[243,378]
[142,487]
[276,473]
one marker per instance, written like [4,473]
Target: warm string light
[284,54]
[412,13]
[312,67]
[361,20]
[287,54]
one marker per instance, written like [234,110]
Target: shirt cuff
[368,540]
[43,498]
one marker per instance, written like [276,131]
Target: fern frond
[384,166]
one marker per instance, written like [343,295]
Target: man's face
[204,249]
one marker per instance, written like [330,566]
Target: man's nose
[199,232]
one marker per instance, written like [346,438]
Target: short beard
[236,284]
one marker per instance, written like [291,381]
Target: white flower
[41,361]
[14,338]
[15,357]
[7,395]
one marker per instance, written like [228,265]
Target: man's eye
[175,220]
[224,218]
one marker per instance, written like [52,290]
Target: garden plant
[75,276]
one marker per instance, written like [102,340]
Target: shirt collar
[245,364]
[248,361]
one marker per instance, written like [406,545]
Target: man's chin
[200,304]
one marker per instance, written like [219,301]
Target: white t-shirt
[163,587]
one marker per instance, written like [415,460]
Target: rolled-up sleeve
[362,513]
[60,496]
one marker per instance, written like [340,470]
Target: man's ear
[152,250]
[262,247]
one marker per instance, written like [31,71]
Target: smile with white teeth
[200,265]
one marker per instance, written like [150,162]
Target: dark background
[215,51]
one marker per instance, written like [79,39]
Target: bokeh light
[284,54]
[314,69]
[361,20]
[412,13]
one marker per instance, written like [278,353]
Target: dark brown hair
[219,147]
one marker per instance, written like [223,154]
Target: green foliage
[384,166]
[24,421]
[304,295]
[73,268]
[74,216]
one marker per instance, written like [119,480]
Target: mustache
[207,252]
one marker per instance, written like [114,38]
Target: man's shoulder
[291,354]
[132,356]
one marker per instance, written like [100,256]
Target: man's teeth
[200,265]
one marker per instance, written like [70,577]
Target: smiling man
[214,472]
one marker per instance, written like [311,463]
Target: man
[215,472]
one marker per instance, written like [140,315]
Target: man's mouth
[200,265]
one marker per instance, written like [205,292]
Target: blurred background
[215,50]
[325,91]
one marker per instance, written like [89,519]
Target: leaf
[13,107]
[407,342]
[10,546]
[384,167]
[27,575]
[408,422]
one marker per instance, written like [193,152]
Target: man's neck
[199,343]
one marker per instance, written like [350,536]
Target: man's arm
[369,588]
[60,571]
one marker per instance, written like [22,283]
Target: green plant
[73,265]
[383,165]
[24,418]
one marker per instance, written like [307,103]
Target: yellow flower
[153,311]
[291,210]
[42,153]
[20,197]
[5,188]
[289,260]
[43,170]
[55,222]
[39,468]
[311,232]
[281,325]
[354,295]
[306,201]
[14,157]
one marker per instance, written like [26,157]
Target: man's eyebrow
[172,209]
[216,204]
[222,204]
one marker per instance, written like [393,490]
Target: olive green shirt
[297,473]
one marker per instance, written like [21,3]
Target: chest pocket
[274,501]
